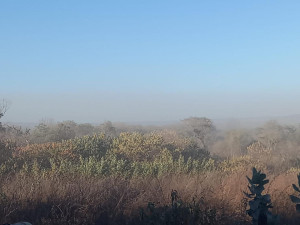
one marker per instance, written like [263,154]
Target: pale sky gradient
[131,61]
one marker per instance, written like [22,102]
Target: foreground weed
[260,204]
[295,199]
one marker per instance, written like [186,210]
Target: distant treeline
[139,148]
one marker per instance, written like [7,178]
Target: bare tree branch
[4,105]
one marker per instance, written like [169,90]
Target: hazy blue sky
[92,61]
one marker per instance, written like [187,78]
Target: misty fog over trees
[281,140]
[135,164]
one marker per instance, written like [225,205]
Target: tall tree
[3,109]
[201,128]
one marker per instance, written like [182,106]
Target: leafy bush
[136,146]
[259,203]
[7,148]
[295,199]
[73,149]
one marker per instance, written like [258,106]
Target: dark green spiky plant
[296,199]
[259,204]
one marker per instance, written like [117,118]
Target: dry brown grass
[79,200]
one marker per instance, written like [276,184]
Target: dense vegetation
[189,173]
